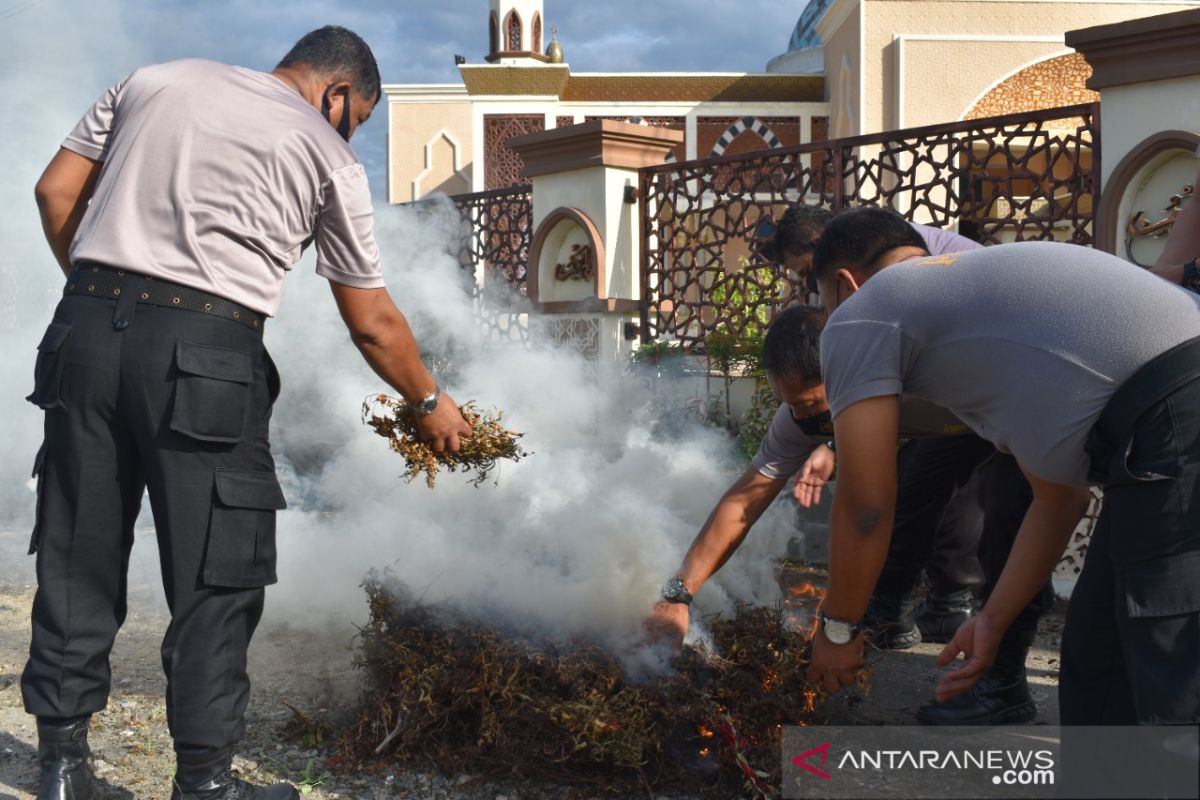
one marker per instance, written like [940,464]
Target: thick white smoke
[577,538]
[45,53]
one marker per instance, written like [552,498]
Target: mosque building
[851,67]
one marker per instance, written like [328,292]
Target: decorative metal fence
[497,234]
[498,239]
[1027,176]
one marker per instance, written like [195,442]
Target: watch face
[836,631]
[671,590]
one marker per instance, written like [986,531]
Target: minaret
[516,32]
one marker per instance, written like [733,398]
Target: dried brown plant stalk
[396,421]
[470,698]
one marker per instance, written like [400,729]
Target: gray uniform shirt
[785,448]
[217,177]
[1025,343]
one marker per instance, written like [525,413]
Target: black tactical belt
[1160,376]
[98,280]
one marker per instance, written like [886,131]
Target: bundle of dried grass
[396,421]
[469,698]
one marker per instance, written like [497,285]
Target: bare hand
[813,475]
[977,640]
[668,622]
[835,666]
[442,428]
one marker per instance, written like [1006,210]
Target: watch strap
[674,591]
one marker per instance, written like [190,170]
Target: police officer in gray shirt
[176,207]
[1086,369]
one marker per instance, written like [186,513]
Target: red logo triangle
[802,759]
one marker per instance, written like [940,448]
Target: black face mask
[818,425]
[343,127]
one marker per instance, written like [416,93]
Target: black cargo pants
[938,519]
[992,499]
[1131,643]
[140,397]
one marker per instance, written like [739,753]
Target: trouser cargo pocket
[48,370]
[240,552]
[39,472]
[212,392]
[1162,637]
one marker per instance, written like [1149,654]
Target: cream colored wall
[943,77]
[1133,113]
[424,140]
[843,75]
[930,89]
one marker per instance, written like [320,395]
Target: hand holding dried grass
[396,420]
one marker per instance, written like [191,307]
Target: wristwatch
[675,592]
[429,404]
[839,631]
[1191,276]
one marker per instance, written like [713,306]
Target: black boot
[889,621]
[1000,697]
[66,761]
[206,775]
[942,613]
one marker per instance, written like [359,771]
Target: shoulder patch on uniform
[940,261]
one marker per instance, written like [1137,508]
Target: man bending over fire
[1010,340]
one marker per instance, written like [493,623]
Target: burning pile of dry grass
[396,421]
[467,698]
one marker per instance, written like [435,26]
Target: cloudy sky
[74,49]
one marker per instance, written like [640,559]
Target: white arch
[455,150]
[1065,52]
[738,128]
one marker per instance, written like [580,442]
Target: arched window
[537,33]
[493,34]
[514,32]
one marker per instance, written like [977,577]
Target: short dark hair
[340,54]
[799,226]
[859,237]
[792,347]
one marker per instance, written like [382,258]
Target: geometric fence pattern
[1019,177]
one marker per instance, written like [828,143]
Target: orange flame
[806,590]
[705,731]
[809,699]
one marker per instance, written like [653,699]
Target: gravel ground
[312,671]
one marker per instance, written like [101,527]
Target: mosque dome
[803,55]
[804,35]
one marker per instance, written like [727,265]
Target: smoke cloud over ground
[45,74]
[578,538]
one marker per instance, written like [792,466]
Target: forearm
[1040,543]
[60,220]
[384,338]
[725,530]
[62,195]
[1172,273]
[391,350]
[864,506]
[858,547]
